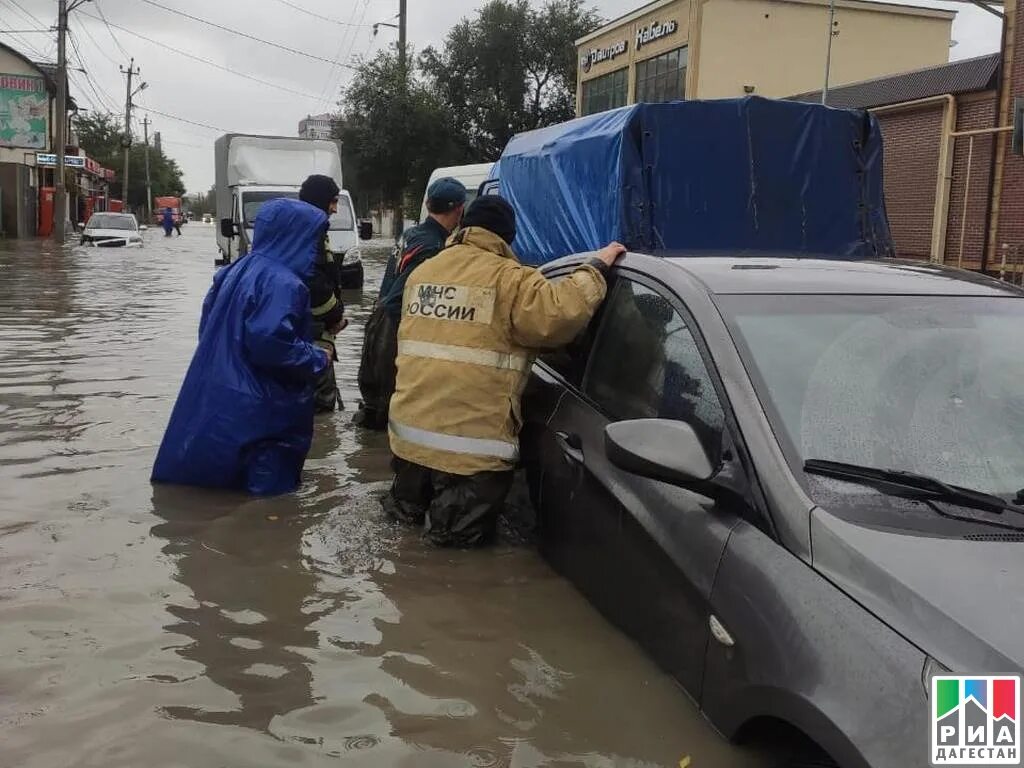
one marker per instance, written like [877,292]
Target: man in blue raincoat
[167,221]
[244,417]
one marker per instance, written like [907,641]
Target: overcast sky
[202,93]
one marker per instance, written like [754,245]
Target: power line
[328,87]
[184,120]
[106,100]
[21,8]
[100,48]
[315,15]
[236,32]
[202,60]
[113,36]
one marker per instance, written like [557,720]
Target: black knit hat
[320,191]
[492,213]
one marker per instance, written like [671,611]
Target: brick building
[954,190]
[925,185]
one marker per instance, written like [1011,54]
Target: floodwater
[154,627]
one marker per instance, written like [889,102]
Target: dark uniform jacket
[380,344]
[325,293]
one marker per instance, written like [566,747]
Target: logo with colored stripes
[976,721]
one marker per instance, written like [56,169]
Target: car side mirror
[143,227]
[658,449]
[366,230]
[227,227]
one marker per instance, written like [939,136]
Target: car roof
[753,274]
[114,213]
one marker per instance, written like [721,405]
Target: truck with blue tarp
[749,174]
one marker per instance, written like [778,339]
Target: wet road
[144,626]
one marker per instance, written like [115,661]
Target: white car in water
[112,230]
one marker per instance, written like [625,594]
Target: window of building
[646,365]
[606,92]
[662,78]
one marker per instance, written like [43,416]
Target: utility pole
[149,184]
[127,141]
[828,50]
[60,200]
[403,71]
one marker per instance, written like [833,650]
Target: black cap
[492,213]
[320,191]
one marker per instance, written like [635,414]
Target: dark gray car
[796,483]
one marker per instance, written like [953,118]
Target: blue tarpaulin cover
[748,174]
[244,417]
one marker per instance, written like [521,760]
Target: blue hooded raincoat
[244,417]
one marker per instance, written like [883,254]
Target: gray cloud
[198,92]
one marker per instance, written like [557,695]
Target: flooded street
[155,627]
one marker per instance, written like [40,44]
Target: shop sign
[599,55]
[655,31]
[70,161]
[24,108]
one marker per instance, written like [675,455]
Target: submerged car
[112,230]
[798,484]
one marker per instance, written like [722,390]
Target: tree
[392,136]
[511,68]
[100,135]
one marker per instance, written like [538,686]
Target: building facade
[711,49]
[316,127]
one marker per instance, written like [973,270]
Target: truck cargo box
[748,174]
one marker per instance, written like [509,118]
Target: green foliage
[100,135]
[507,69]
[511,68]
[393,136]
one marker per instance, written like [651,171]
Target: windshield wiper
[910,484]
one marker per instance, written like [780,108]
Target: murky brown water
[173,627]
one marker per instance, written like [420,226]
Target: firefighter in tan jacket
[472,319]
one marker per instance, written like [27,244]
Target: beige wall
[779,47]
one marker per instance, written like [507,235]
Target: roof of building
[965,76]
[866,5]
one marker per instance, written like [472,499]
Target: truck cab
[236,233]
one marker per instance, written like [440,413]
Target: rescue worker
[325,291]
[472,319]
[446,199]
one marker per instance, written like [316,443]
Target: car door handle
[571,445]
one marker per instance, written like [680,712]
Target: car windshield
[107,221]
[924,384]
[253,201]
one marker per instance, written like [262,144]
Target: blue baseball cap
[445,195]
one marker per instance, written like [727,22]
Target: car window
[646,364]
[570,361]
[108,221]
[342,219]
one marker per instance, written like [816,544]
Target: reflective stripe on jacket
[472,320]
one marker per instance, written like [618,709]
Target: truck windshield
[924,384]
[253,201]
[343,218]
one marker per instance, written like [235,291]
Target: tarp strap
[439,441]
[327,306]
[457,354]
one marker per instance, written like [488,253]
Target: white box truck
[250,170]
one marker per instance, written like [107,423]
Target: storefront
[670,50]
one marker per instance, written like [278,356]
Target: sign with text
[654,31]
[70,161]
[598,55]
[24,104]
